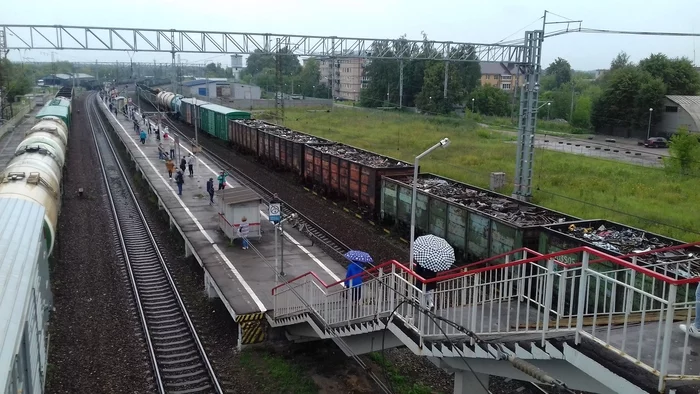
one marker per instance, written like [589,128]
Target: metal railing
[615,302]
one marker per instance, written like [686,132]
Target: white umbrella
[433,253]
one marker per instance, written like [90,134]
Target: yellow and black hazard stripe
[253,327]
[250,317]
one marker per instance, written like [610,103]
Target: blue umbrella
[358,256]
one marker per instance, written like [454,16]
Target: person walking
[170,166]
[183,164]
[210,190]
[243,231]
[354,284]
[172,147]
[143,137]
[180,180]
[190,164]
[222,180]
[160,151]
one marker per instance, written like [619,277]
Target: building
[345,77]
[504,76]
[65,79]
[221,89]
[599,73]
[678,111]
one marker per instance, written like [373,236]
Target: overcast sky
[459,21]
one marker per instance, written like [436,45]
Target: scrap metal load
[363,157]
[496,205]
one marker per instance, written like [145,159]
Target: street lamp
[549,106]
[444,143]
[472,105]
[649,126]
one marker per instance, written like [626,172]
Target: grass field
[581,186]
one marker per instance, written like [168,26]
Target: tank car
[35,172]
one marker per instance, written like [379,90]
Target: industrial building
[345,76]
[65,79]
[221,89]
[678,111]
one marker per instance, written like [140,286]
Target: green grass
[632,193]
[400,382]
[543,126]
[276,374]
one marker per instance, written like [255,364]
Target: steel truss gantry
[50,37]
[527,56]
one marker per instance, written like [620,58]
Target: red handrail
[484,261]
[589,250]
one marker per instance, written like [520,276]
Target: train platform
[242,279]
[11,139]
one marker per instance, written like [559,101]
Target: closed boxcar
[478,223]
[214,119]
[187,110]
[58,111]
[347,172]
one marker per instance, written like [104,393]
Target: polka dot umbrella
[359,256]
[433,253]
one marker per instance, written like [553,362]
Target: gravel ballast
[96,343]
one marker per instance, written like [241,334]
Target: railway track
[303,223]
[180,364]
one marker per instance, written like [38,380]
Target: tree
[383,75]
[309,77]
[431,98]
[684,149]
[491,101]
[622,60]
[561,70]
[258,61]
[678,74]
[582,114]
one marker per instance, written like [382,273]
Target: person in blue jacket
[143,136]
[355,284]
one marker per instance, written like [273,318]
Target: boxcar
[344,171]
[187,109]
[215,118]
[58,111]
[478,223]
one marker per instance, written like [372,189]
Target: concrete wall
[10,124]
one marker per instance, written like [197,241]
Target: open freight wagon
[478,223]
[277,146]
[343,171]
[618,239]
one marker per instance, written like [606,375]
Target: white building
[221,89]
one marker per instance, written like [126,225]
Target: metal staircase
[604,324]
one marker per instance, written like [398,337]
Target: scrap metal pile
[500,207]
[366,158]
[285,132]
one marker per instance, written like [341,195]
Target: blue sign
[202,91]
[274,212]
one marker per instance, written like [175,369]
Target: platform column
[467,382]
[188,250]
[208,286]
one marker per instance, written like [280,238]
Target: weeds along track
[180,364]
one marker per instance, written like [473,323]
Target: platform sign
[274,212]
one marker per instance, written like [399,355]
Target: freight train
[30,201]
[478,223]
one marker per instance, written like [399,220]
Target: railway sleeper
[164,340]
[177,355]
[158,331]
[175,362]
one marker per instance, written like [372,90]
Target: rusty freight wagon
[343,171]
[478,223]
[620,240]
[243,134]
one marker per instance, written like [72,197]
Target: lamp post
[549,106]
[649,126]
[444,143]
[472,105]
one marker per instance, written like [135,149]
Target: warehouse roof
[21,229]
[691,105]
[69,76]
[198,82]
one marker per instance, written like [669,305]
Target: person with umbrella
[358,259]
[432,255]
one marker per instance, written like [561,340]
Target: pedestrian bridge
[603,324]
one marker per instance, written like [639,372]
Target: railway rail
[180,363]
[303,223]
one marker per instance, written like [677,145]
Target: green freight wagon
[478,223]
[214,119]
[59,111]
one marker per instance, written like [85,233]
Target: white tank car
[36,170]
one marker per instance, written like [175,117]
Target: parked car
[656,142]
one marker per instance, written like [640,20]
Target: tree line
[261,70]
